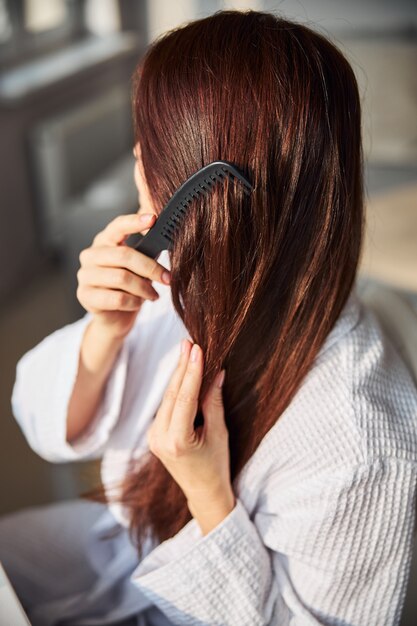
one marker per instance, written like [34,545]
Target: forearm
[97,355]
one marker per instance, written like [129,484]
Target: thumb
[212,407]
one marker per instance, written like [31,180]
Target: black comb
[161,235]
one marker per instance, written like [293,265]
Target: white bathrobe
[322,530]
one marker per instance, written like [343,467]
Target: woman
[287,495]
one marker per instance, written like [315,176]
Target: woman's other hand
[197,459]
[114,279]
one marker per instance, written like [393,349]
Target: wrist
[105,332]
[97,353]
[211,512]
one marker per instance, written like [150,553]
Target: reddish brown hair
[258,281]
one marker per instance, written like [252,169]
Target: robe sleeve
[45,378]
[330,550]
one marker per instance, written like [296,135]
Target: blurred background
[66,164]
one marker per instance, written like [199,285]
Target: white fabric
[322,530]
[65,572]
[398,316]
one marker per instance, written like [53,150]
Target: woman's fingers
[100,300]
[114,279]
[124,257]
[186,404]
[171,392]
[121,227]
[117,278]
[176,414]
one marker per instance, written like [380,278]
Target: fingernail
[220,378]
[194,353]
[166,277]
[145,217]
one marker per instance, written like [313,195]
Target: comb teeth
[161,235]
[204,187]
[166,233]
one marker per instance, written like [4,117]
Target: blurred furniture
[83,166]
[390,250]
[76,102]
[66,155]
[70,150]
[385,67]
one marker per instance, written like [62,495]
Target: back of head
[259,281]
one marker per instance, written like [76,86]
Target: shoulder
[382,391]
[358,403]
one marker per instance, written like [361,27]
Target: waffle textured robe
[322,530]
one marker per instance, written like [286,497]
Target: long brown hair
[258,281]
